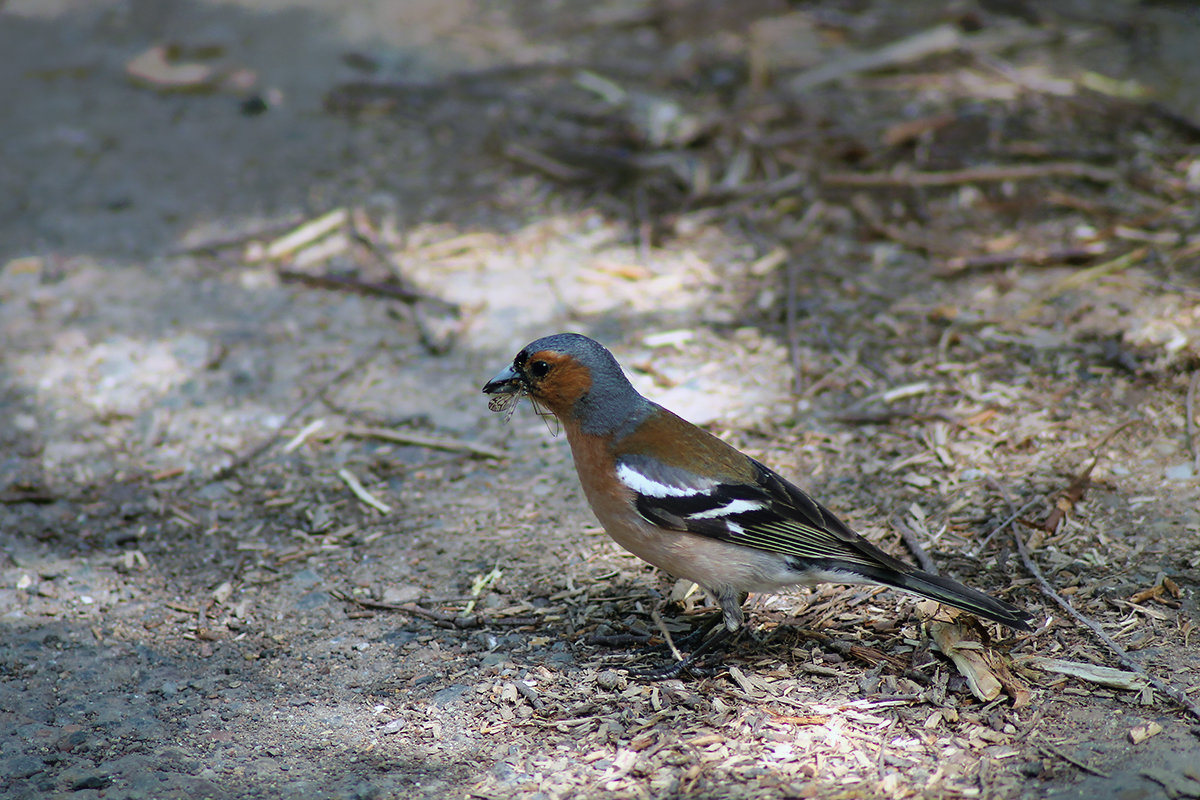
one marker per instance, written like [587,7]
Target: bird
[693,505]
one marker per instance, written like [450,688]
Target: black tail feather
[953,593]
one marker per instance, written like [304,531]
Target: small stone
[20,767]
[312,600]
[403,593]
[1180,472]
[395,726]
[306,578]
[448,695]
[608,679]
[93,781]
[359,790]
[74,740]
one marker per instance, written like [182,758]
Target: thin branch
[422,440]
[241,461]
[361,493]
[955,177]
[1050,749]
[662,627]
[914,546]
[1016,515]
[1190,410]
[960,265]
[1031,566]
[388,289]
[439,618]
[1079,485]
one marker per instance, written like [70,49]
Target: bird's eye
[538,369]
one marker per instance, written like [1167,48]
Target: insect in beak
[506,403]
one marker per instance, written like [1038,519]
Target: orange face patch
[560,383]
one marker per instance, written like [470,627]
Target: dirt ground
[261,537]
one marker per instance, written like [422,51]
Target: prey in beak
[506,389]
[510,385]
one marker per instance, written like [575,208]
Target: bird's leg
[716,635]
[720,636]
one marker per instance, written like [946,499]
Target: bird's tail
[953,593]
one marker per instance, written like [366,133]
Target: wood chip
[1141,733]
[1092,673]
[362,494]
[156,68]
[968,658]
[302,236]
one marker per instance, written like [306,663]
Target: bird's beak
[507,381]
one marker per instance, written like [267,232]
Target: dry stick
[262,447]
[1065,756]
[1190,410]
[406,293]
[1078,486]
[1013,518]
[662,627]
[440,619]
[394,291]
[421,440]
[954,177]
[875,221]
[960,265]
[1177,695]
[360,491]
[237,239]
[792,287]
[914,546]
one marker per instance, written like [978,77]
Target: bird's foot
[620,640]
[689,664]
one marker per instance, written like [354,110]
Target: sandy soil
[197,601]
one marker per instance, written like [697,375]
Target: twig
[361,493]
[305,234]
[662,627]
[388,289]
[401,288]
[1013,518]
[875,221]
[934,41]
[530,694]
[1050,749]
[791,306]
[229,469]
[544,163]
[954,177]
[1082,277]
[234,240]
[1190,410]
[940,39]
[1031,566]
[804,233]
[959,265]
[914,546]
[441,619]
[1075,491]
[968,658]
[300,438]
[14,496]
[421,440]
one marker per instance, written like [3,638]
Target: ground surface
[824,267]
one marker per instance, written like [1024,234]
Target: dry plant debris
[948,269]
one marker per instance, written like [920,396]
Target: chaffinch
[687,502]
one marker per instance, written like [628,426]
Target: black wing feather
[778,517]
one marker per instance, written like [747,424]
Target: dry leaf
[1141,733]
